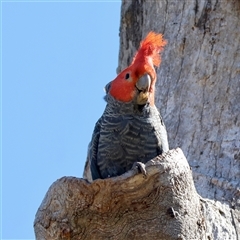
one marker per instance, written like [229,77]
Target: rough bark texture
[198,93]
[165,205]
[198,87]
[198,83]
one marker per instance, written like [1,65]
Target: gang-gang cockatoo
[131,131]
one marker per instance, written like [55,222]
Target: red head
[138,80]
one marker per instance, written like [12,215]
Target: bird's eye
[127,76]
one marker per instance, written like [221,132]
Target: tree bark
[164,205]
[198,94]
[198,87]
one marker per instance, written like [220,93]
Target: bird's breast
[125,139]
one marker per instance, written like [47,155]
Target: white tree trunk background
[198,87]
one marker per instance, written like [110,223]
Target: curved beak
[144,83]
[143,86]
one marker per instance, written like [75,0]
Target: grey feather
[125,135]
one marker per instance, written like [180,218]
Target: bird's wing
[91,170]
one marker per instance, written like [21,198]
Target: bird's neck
[127,108]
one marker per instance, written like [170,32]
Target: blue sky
[56,59]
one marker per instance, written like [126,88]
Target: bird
[130,131]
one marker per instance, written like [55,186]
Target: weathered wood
[165,205]
[198,91]
[198,87]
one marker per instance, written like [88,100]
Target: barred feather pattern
[124,135]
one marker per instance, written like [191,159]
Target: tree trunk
[198,87]
[165,205]
[198,94]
